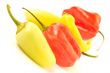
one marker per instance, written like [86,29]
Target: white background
[13,60]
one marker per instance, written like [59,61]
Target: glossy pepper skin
[32,41]
[62,44]
[44,16]
[87,22]
[69,21]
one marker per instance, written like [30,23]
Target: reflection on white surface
[12,60]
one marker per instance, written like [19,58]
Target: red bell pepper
[87,22]
[62,44]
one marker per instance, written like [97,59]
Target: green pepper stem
[97,50]
[13,18]
[43,26]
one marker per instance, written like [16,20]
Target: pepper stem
[43,26]
[13,18]
[97,50]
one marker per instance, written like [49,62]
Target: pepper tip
[8,6]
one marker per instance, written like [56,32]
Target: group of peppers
[48,39]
